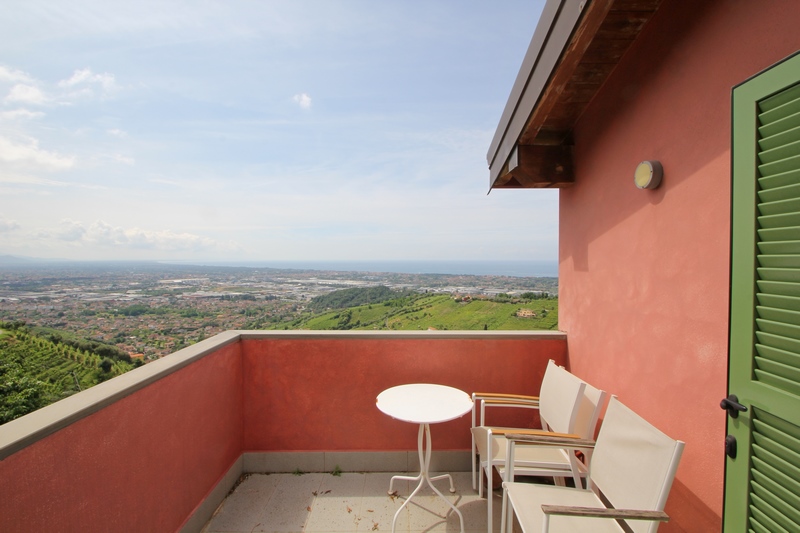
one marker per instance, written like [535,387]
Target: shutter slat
[779,247]
[779,180]
[779,328]
[779,221]
[771,472]
[779,382]
[786,96]
[775,488]
[782,376]
[779,302]
[779,260]
[780,166]
[776,354]
[758,514]
[779,234]
[779,287]
[778,274]
[780,193]
[772,511]
[784,316]
[790,443]
[781,152]
[779,207]
[790,134]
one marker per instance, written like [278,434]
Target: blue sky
[262,130]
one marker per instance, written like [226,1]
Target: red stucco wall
[311,395]
[147,461]
[644,274]
[143,463]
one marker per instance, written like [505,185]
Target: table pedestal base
[424,475]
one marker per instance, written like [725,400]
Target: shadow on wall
[688,513]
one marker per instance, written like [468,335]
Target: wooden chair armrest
[503,396]
[519,433]
[564,440]
[602,512]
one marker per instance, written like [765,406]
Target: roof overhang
[576,45]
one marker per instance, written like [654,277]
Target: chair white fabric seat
[524,495]
[632,467]
[566,404]
[546,462]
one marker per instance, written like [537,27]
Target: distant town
[152,309]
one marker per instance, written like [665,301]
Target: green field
[441,312]
[35,371]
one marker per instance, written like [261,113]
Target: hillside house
[692,286]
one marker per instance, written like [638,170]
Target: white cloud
[27,94]
[303,100]
[83,81]
[19,114]
[117,133]
[13,75]
[70,230]
[125,160]
[104,234]
[7,225]
[28,153]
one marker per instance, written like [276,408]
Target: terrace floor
[347,503]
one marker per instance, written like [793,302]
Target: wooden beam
[536,166]
[591,21]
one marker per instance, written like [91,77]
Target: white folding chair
[567,406]
[629,478]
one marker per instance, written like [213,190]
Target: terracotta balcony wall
[158,448]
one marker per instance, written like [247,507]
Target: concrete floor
[347,503]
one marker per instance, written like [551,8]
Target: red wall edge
[140,464]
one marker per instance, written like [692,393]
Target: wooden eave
[576,46]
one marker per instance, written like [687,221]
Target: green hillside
[354,297]
[440,311]
[36,371]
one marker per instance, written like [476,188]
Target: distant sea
[474,268]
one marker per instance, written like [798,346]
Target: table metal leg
[424,475]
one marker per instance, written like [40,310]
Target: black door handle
[732,405]
[730,446]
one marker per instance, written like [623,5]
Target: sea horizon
[486,267]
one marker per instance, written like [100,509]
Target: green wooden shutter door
[762,492]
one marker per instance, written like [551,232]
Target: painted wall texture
[644,274]
[320,394]
[147,461]
[143,463]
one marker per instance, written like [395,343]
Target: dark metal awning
[576,45]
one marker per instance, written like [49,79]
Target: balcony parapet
[157,448]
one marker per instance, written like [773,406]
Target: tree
[20,394]
[106,364]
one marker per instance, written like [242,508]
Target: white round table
[424,404]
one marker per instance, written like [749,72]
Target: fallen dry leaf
[349,510]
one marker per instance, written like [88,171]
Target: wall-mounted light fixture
[648,175]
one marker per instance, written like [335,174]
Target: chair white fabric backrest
[633,463]
[633,467]
[560,399]
[562,403]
